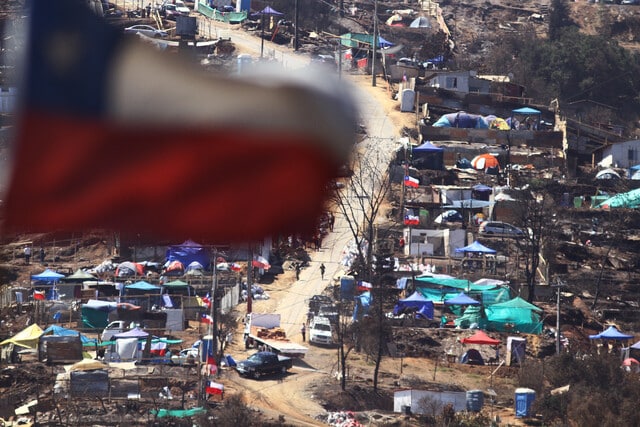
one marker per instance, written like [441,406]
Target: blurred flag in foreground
[114,134]
[214,388]
[260,262]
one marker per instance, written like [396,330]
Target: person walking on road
[298,268]
[303,331]
[27,254]
[322,268]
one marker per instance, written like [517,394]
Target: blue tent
[427,147]
[526,110]
[416,300]
[428,156]
[476,247]
[611,333]
[461,299]
[47,276]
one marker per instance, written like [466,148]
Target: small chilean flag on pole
[411,182]
[214,388]
[260,262]
[206,319]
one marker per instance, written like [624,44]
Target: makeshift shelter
[629,200]
[27,338]
[416,303]
[132,333]
[427,156]
[188,252]
[480,338]
[174,268]
[442,288]
[355,40]
[475,249]
[89,378]
[472,317]
[472,357]
[61,345]
[530,118]
[514,315]
[128,268]
[420,22]
[95,313]
[611,333]
[194,269]
[448,216]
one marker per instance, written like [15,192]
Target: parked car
[320,331]
[498,228]
[263,363]
[170,10]
[147,30]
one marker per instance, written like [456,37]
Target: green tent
[514,315]
[629,200]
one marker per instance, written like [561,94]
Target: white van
[320,331]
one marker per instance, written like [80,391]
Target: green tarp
[515,315]
[94,319]
[178,413]
[629,200]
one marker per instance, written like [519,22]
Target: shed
[422,401]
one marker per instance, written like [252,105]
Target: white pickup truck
[114,328]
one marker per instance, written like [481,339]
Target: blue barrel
[475,400]
[524,399]
[347,288]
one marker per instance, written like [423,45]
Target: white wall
[412,398]
[618,155]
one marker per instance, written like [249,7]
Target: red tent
[480,338]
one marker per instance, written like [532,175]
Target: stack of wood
[272,334]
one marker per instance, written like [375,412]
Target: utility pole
[375,43]
[214,310]
[295,28]
[558,285]
[250,280]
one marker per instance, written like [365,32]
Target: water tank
[524,399]
[475,400]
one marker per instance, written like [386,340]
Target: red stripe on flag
[79,174]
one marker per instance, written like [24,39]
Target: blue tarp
[64,332]
[188,252]
[462,119]
[526,110]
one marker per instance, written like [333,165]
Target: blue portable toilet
[524,399]
[475,400]
[347,288]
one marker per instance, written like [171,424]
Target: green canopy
[629,200]
[176,284]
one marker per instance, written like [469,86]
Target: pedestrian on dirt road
[322,268]
[303,331]
[42,255]
[298,268]
[332,220]
[27,254]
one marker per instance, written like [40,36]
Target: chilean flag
[411,182]
[235,267]
[214,388]
[112,133]
[206,319]
[260,262]
[411,220]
